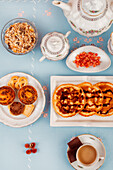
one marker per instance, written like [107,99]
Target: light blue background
[51,141]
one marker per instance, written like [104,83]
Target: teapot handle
[67,34]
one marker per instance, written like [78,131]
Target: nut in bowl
[19,36]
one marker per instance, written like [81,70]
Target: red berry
[28,151]
[33,150]
[26,145]
[32,145]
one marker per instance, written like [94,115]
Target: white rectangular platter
[78,120]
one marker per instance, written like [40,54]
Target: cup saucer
[92,140]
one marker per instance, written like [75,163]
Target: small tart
[94,99]
[27,95]
[7,95]
[16,108]
[107,89]
[68,100]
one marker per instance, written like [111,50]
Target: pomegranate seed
[28,151]
[32,145]
[26,145]
[33,150]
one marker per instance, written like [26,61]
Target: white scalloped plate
[105,60]
[21,120]
[94,141]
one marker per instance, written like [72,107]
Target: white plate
[21,120]
[105,60]
[93,140]
[78,120]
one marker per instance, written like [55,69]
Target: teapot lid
[93,7]
[55,46]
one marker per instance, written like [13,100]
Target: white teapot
[88,17]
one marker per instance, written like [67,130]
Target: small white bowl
[105,60]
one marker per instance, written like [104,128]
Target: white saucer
[93,140]
[105,60]
[21,120]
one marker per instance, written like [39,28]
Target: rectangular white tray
[78,120]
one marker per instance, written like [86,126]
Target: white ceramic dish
[21,120]
[105,60]
[78,120]
[94,141]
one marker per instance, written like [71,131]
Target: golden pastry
[107,89]
[68,100]
[13,81]
[28,110]
[7,95]
[22,81]
[94,99]
[27,95]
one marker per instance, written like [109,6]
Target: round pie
[16,108]
[68,100]
[107,89]
[27,95]
[7,95]
[94,99]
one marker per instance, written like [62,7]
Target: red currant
[26,145]
[34,150]
[28,151]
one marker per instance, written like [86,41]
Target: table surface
[51,142]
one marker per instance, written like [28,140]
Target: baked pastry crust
[107,89]
[13,81]
[22,81]
[16,108]
[68,100]
[28,110]
[94,99]
[27,95]
[7,95]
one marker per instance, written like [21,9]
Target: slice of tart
[68,100]
[94,99]
[107,89]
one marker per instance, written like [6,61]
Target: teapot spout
[62,5]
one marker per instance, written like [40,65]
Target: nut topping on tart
[7,95]
[94,99]
[27,95]
[107,89]
[68,100]
[16,108]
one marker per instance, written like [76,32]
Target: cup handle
[67,34]
[42,58]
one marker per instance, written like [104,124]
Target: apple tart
[68,100]
[107,90]
[94,99]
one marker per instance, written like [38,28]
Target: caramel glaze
[68,99]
